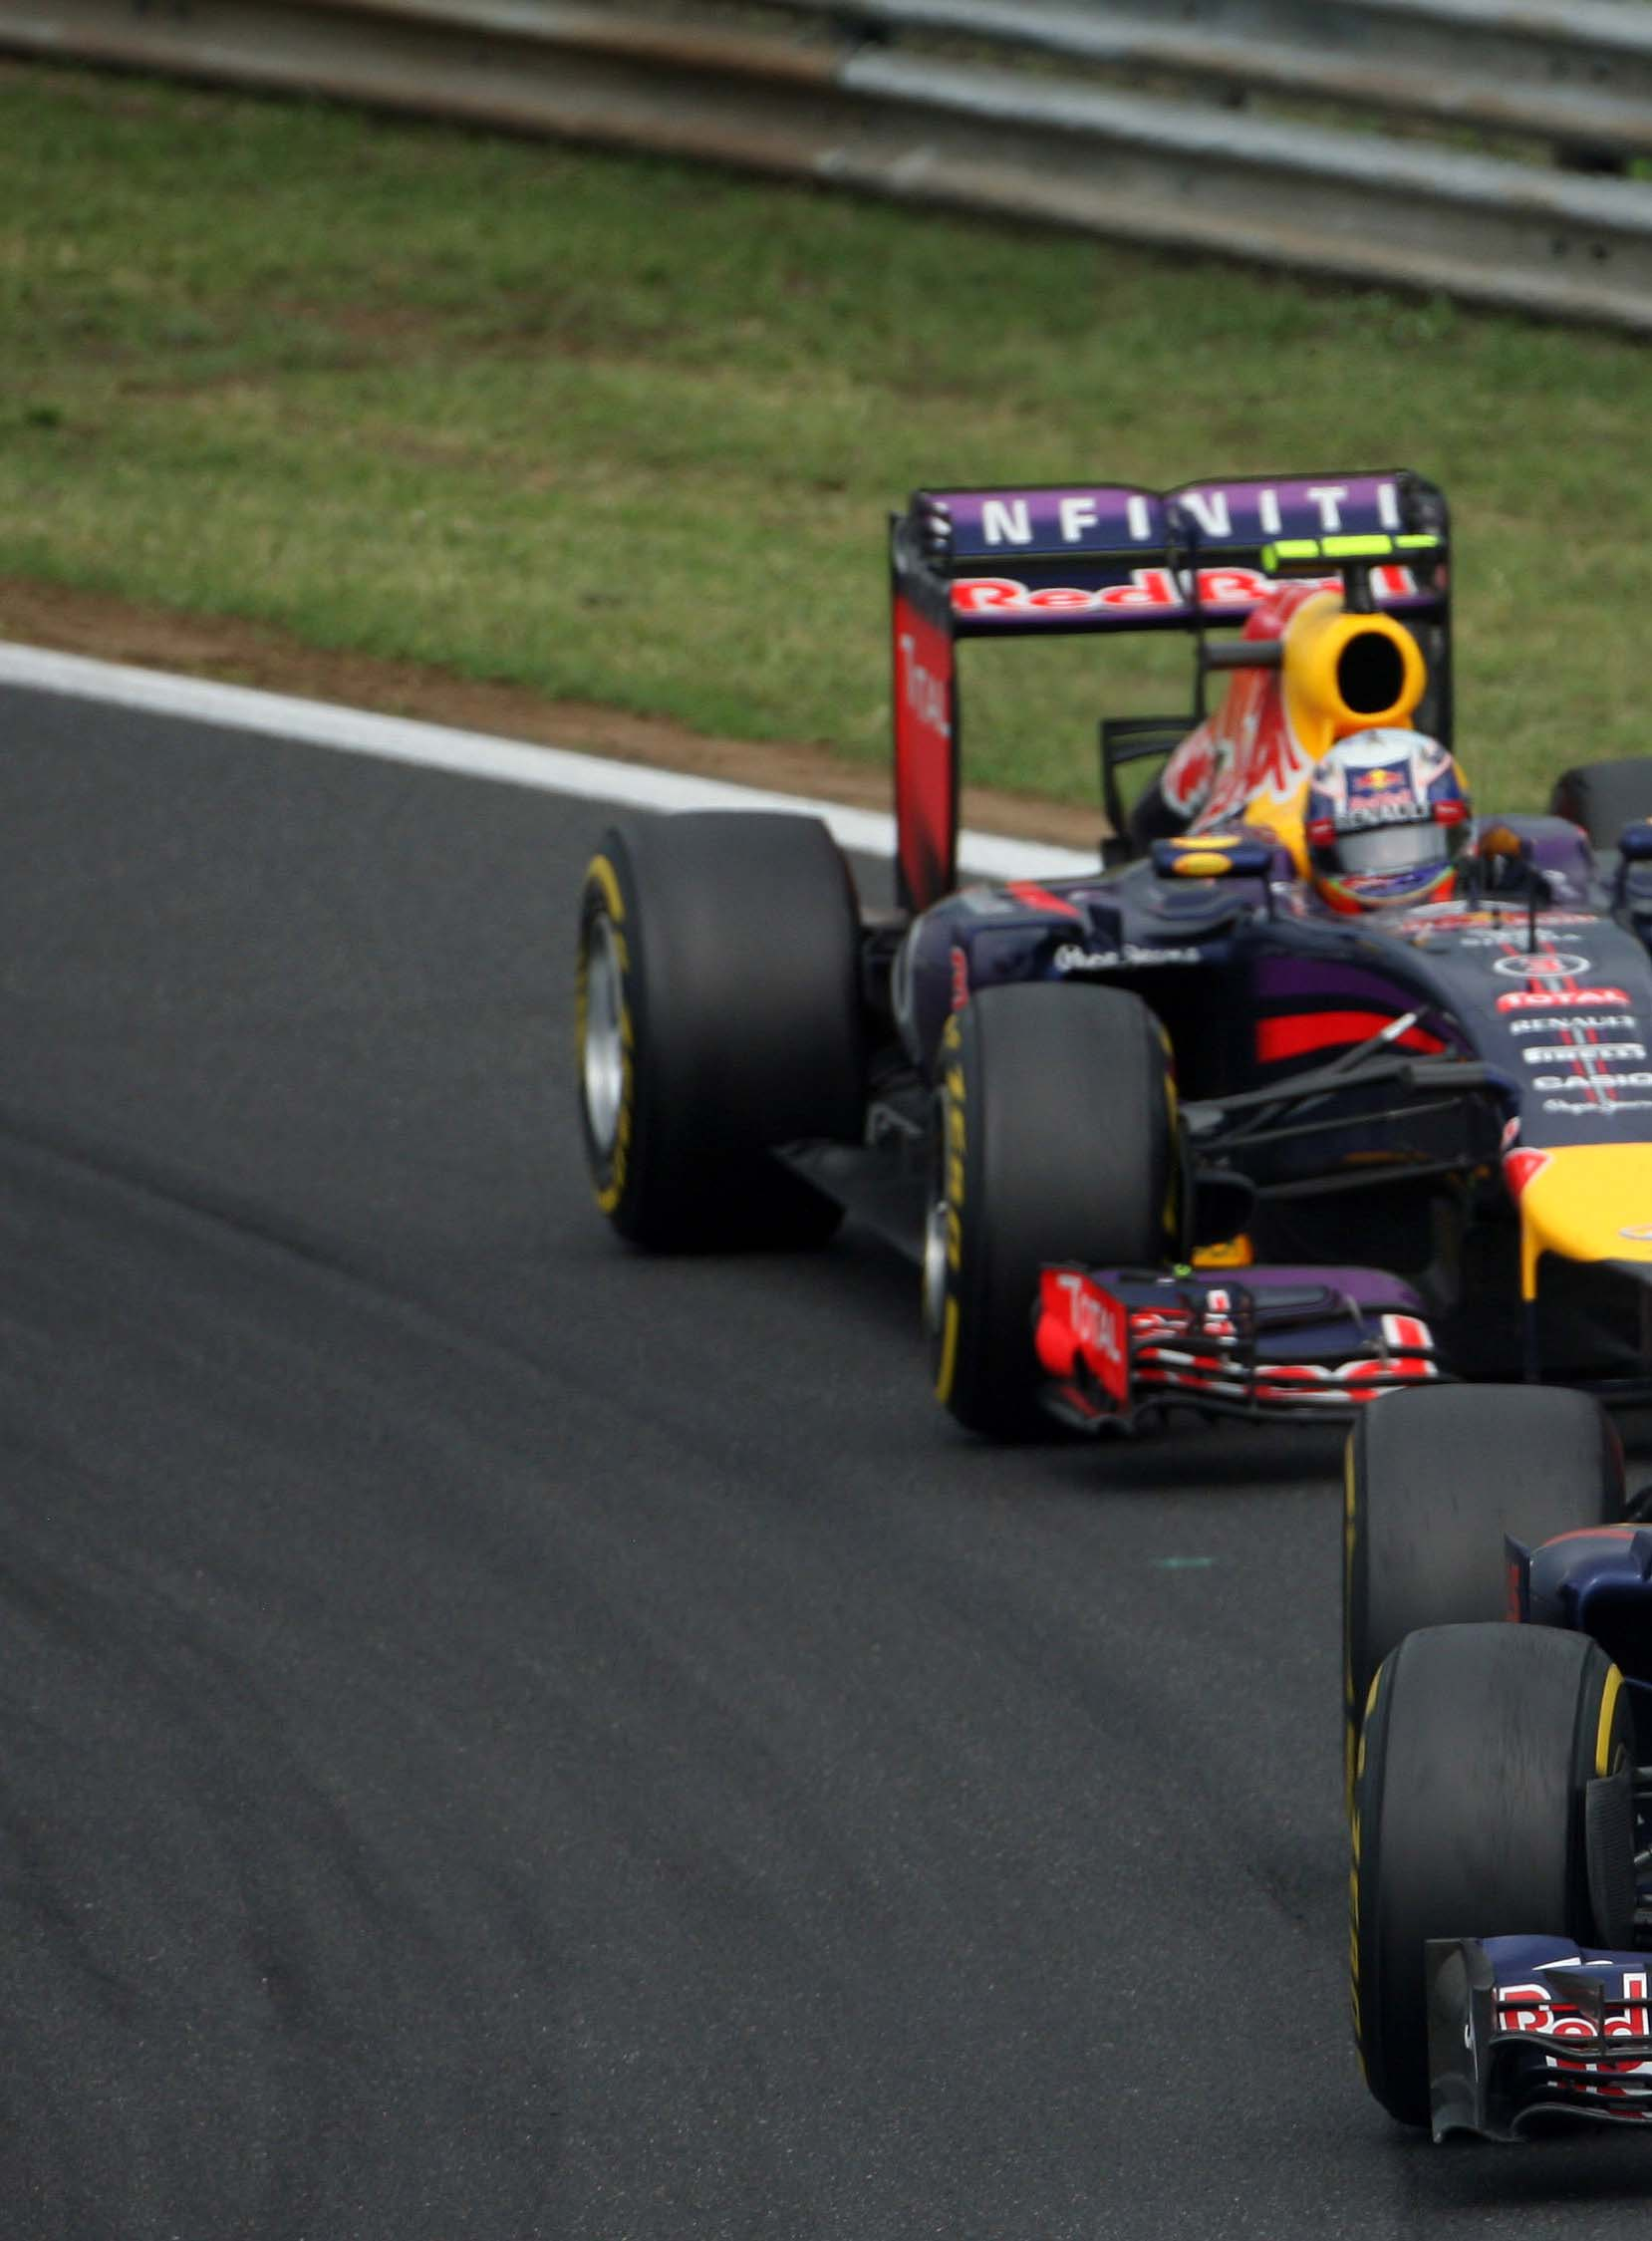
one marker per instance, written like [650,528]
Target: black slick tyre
[717,1015]
[1435,1479]
[1053,1139]
[1603,797]
[1471,1818]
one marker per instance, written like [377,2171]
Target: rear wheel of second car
[1436,1477]
[1603,797]
[1053,1139]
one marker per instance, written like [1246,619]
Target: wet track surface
[502,1738]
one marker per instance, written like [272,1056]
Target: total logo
[1551,964]
[1560,999]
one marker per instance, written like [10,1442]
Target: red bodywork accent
[1039,897]
[1519,1166]
[1305,1032]
[960,978]
[1080,1322]
[1137,1353]
[982,600]
[1247,748]
[926,757]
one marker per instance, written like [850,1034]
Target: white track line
[477,754]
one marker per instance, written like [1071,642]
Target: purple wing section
[1085,556]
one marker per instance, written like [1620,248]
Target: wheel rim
[935,1267]
[936,1228]
[603,1058]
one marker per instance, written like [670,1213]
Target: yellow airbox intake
[1348,672]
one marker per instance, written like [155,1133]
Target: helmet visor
[1392,848]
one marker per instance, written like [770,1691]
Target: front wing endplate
[1117,1343]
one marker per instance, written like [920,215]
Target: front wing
[1527,2027]
[1117,1344]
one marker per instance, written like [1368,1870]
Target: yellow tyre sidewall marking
[601,874]
[949,1354]
[1354,1872]
[1604,1730]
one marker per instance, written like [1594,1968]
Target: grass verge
[625,432]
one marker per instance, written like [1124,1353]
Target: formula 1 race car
[1197,1129]
[1501,1934]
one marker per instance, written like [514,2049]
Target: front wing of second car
[1118,1345]
[1523,2028]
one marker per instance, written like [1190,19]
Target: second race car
[1500,1790]
[1319,1085]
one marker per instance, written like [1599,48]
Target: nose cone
[1586,1202]
[1570,1572]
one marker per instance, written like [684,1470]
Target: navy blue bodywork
[1436,1041]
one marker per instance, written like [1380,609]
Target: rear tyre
[1053,1139]
[717,1015]
[1469,1818]
[1603,797]
[1435,1480]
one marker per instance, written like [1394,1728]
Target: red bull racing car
[1500,1775]
[1316,1087]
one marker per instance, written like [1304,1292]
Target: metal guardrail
[1577,75]
[844,100]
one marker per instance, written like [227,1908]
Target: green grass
[627,432]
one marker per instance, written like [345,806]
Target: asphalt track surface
[504,1737]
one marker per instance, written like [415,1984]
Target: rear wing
[1064,559]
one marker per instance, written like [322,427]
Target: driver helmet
[1387,817]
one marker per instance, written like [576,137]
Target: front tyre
[1470,1821]
[1053,1139]
[717,1017]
